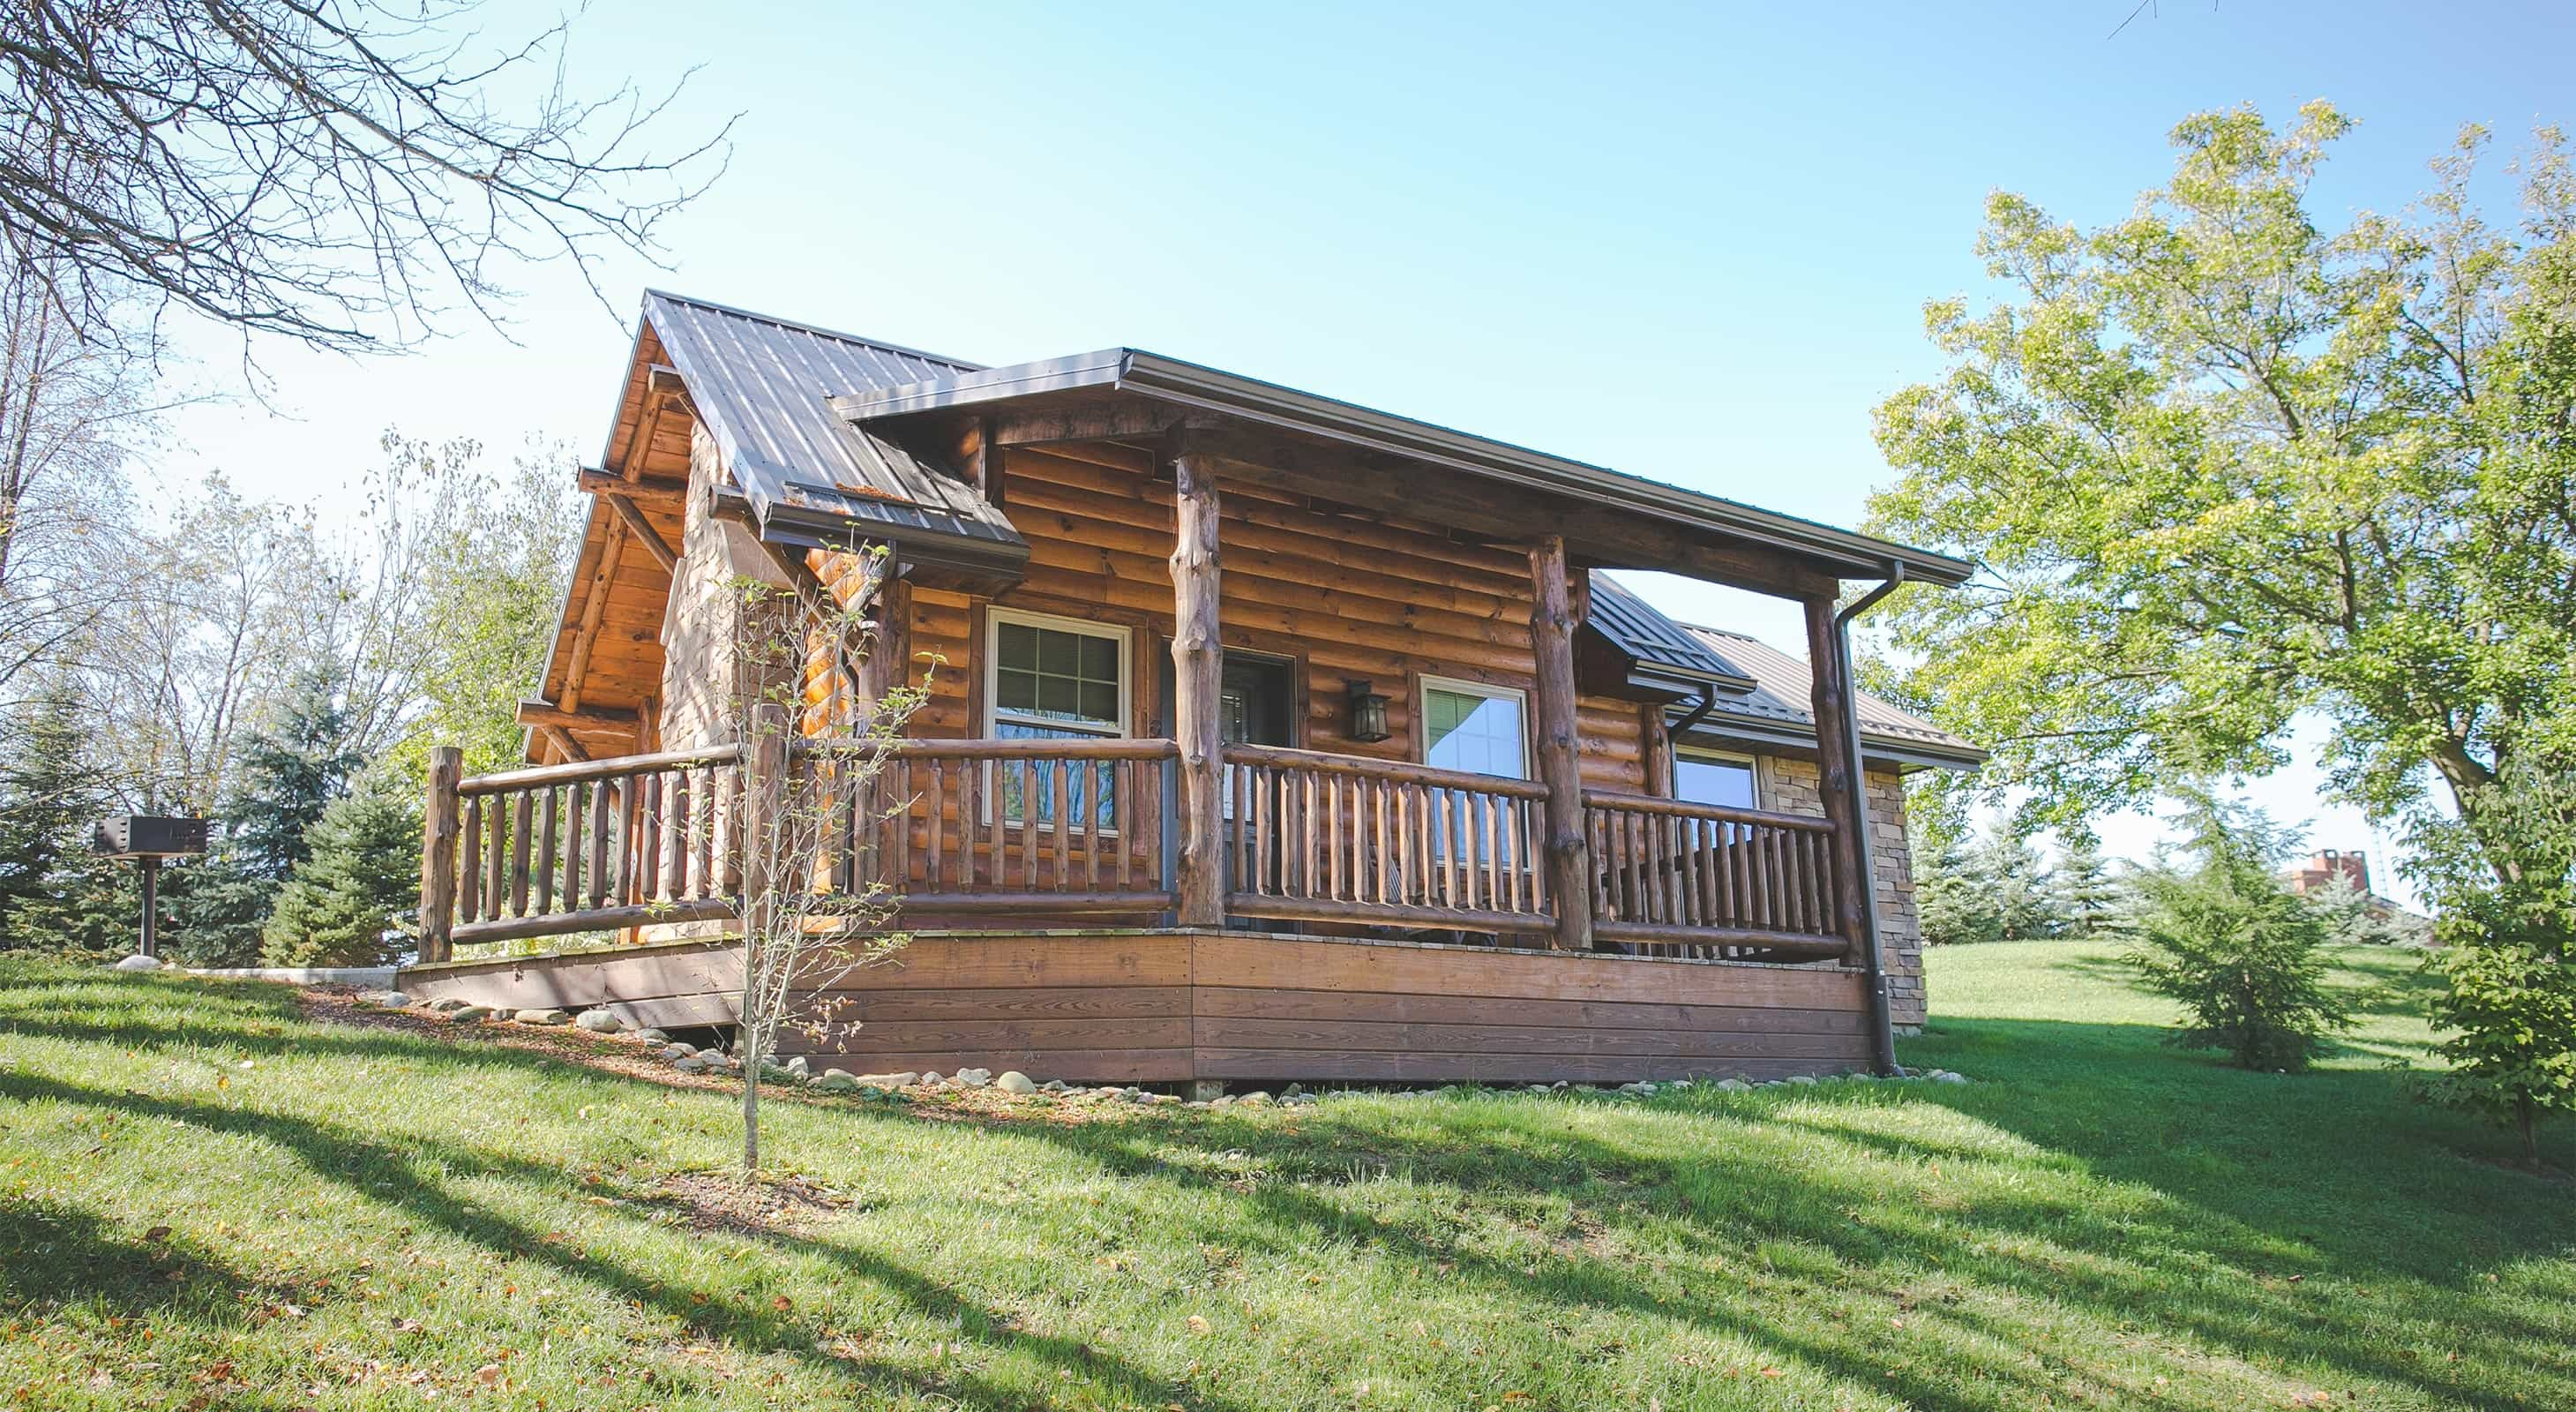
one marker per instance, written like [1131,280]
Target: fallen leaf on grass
[1198,1325]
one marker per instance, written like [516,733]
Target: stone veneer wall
[1791,787]
[704,612]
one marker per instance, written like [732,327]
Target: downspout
[1882,1027]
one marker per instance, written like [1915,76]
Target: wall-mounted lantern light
[1368,712]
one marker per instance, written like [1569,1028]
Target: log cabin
[1261,736]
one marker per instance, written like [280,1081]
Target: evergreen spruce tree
[289,776]
[2086,893]
[360,882]
[56,894]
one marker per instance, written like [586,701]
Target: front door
[1256,705]
[1257,701]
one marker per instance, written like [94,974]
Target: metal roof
[1657,643]
[1783,687]
[1195,385]
[763,387]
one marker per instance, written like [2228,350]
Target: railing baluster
[937,875]
[576,813]
[1063,824]
[469,877]
[546,855]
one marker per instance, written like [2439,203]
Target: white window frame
[1425,684]
[995,615]
[1752,765]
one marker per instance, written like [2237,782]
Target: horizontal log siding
[1357,597]
[1170,1006]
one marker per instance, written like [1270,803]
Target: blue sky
[1690,241]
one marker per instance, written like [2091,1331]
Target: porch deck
[1038,880]
[1175,1004]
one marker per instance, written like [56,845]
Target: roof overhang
[1721,731]
[1089,378]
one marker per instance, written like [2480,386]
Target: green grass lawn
[209,1199]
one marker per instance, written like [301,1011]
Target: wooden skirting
[1164,1005]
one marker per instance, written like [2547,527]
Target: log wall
[1344,594]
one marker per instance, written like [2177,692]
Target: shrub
[2231,942]
[2507,957]
[360,882]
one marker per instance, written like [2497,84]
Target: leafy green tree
[2221,466]
[2226,937]
[2507,958]
[491,552]
[349,899]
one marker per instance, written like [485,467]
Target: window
[1054,679]
[1702,778]
[1468,726]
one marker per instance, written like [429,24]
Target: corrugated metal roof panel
[1638,629]
[1783,686]
[764,385]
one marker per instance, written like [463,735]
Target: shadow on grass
[2092,1173]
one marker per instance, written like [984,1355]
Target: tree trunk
[2530,1121]
[751,1121]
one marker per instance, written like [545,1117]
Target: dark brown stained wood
[1831,699]
[1655,746]
[1033,1003]
[1397,1067]
[1559,763]
[1022,962]
[1415,1038]
[438,851]
[1302,964]
[1244,1002]
[1198,659]
[1013,1034]
[678,1011]
[584,978]
[1173,1005]
[1074,1065]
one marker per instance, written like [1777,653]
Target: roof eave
[1209,389]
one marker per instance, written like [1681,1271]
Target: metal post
[151,870]
[1882,1024]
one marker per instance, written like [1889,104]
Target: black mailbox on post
[147,839]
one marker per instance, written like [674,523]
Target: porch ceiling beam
[645,492]
[547,716]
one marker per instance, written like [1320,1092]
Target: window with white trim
[1474,727]
[1706,777]
[1049,678]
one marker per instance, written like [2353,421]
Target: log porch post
[1837,771]
[1198,666]
[438,852]
[1560,767]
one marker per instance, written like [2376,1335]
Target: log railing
[1007,825]
[1705,881]
[595,846]
[1076,827]
[1336,838]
